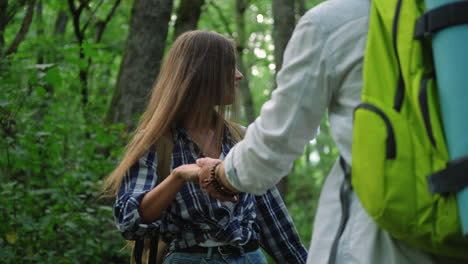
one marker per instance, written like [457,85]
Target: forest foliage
[59,65]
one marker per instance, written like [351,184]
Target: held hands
[210,176]
[213,180]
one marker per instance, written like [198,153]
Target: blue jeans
[254,257]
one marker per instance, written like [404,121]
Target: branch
[84,3]
[76,13]
[23,30]
[12,12]
[92,13]
[222,17]
[243,4]
[102,24]
[71,5]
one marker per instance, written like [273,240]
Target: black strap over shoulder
[452,179]
[139,255]
[448,15]
[346,169]
[345,204]
[138,250]
[153,249]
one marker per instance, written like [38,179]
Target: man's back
[344,26]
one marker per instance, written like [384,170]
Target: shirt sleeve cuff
[133,228]
[231,172]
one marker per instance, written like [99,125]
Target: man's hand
[204,177]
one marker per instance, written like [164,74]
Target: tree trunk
[41,59]
[80,33]
[301,8]
[284,21]
[23,30]
[40,29]
[188,15]
[61,23]
[241,42]
[141,61]
[3,24]
[80,37]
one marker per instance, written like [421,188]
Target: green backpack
[398,137]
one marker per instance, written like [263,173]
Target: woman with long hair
[196,83]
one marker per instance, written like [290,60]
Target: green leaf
[40,91]
[11,237]
[4,102]
[53,77]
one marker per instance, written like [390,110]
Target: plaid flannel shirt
[194,216]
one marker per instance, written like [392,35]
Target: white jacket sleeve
[290,119]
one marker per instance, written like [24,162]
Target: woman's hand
[188,173]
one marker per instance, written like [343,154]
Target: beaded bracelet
[214,180]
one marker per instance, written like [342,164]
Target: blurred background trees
[74,77]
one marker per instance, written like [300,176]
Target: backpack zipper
[390,141]
[424,105]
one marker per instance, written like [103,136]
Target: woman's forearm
[157,200]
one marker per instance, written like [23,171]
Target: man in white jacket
[322,70]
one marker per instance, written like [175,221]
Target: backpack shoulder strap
[164,146]
[237,131]
[146,251]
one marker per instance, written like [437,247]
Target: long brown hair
[197,77]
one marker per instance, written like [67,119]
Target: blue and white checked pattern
[194,216]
